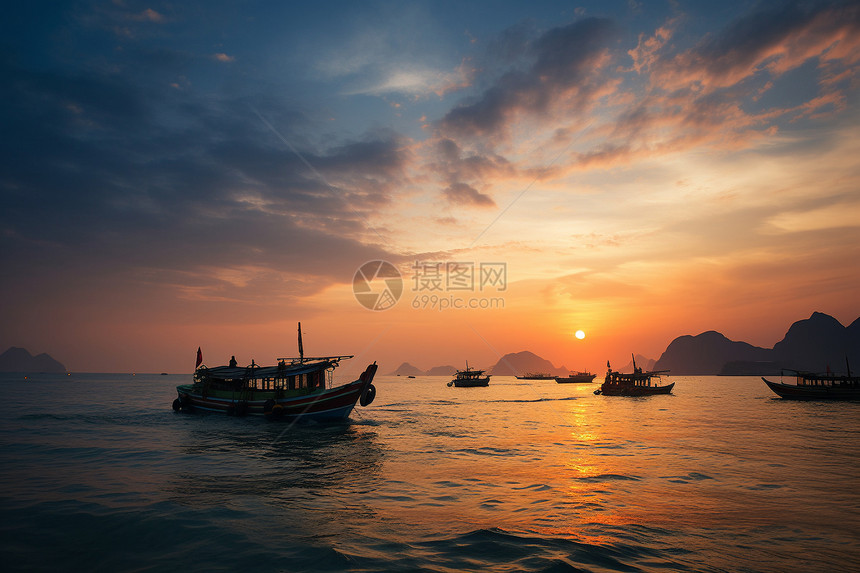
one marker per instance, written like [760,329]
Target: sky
[429,181]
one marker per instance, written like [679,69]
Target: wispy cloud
[148,15]
[845,214]
[462,194]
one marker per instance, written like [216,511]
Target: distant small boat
[536,376]
[809,386]
[296,388]
[164,373]
[576,378]
[637,384]
[410,376]
[469,378]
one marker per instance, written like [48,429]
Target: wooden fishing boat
[576,378]
[535,376]
[295,388]
[638,383]
[809,386]
[469,378]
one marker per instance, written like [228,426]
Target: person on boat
[233,362]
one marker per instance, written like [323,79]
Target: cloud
[400,51]
[221,57]
[461,171]
[463,194]
[647,52]
[98,178]
[762,73]
[565,72]
[148,15]
[410,79]
[454,163]
[770,40]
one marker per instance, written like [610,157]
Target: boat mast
[301,350]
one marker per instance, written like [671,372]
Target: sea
[98,473]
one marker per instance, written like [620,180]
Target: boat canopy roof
[636,375]
[282,369]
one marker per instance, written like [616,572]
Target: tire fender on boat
[277,410]
[368,395]
[177,405]
[268,407]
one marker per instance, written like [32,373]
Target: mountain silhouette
[446,370]
[520,363]
[20,360]
[814,344]
[707,353]
[407,369]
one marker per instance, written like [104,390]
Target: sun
[579,334]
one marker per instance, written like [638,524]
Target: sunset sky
[184,174]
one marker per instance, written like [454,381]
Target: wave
[535,400]
[498,549]
[607,477]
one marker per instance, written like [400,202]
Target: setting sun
[579,334]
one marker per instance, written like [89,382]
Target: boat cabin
[305,375]
[469,374]
[825,380]
[638,378]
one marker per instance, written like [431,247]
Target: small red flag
[199,358]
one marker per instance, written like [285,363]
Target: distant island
[20,360]
[520,363]
[407,369]
[815,344]
[513,364]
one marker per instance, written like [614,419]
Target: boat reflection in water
[301,475]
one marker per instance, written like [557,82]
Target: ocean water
[99,474]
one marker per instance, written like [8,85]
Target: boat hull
[326,404]
[798,392]
[614,390]
[476,383]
